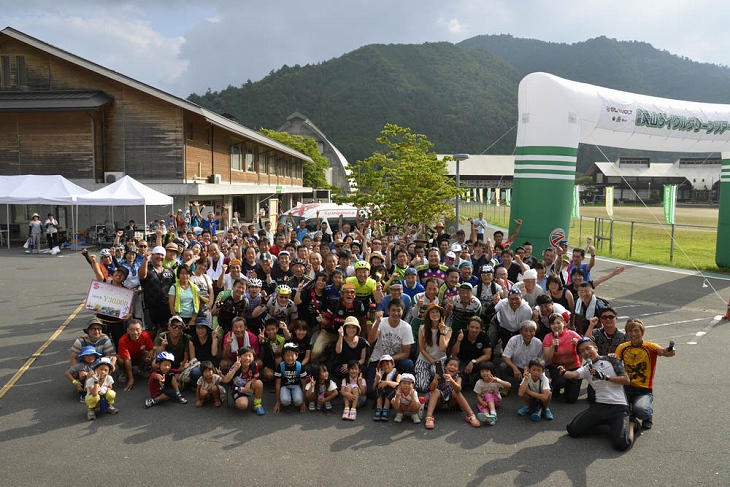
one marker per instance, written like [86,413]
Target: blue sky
[183,46]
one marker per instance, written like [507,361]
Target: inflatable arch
[556,114]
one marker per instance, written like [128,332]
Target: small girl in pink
[487,390]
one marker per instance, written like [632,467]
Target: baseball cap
[284,252]
[160,250]
[386,357]
[450,255]
[455,247]
[265,256]
[529,274]
[411,272]
[466,285]
[408,378]
[513,291]
[487,269]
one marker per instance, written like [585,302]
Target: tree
[314,173]
[405,181]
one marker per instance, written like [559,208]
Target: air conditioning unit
[215,179]
[112,177]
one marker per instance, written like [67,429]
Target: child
[209,385]
[535,391]
[301,339]
[163,384]
[406,399]
[321,389]
[487,390]
[446,390]
[99,388]
[353,390]
[79,372]
[271,345]
[386,380]
[288,376]
[244,377]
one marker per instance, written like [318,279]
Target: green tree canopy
[314,172]
[404,181]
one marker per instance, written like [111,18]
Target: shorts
[386,393]
[489,396]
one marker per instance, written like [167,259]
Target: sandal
[471,419]
[429,422]
[217,404]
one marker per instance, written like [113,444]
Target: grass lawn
[694,246]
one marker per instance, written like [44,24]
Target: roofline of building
[212,117]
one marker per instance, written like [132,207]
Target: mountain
[463,96]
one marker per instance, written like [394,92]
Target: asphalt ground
[46,439]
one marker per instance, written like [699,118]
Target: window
[250,159]
[207,136]
[262,161]
[236,157]
[272,169]
[189,133]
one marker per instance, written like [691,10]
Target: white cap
[529,274]
[159,250]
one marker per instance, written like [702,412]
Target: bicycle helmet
[165,356]
[362,264]
[289,346]
[283,290]
[255,282]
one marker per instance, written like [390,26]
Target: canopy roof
[32,189]
[125,192]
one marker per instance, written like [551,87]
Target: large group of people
[414,319]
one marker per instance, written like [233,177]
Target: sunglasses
[176,327]
[608,317]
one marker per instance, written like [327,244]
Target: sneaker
[328,405]
[259,410]
[524,410]
[378,414]
[491,419]
[494,417]
[182,400]
[385,416]
[346,414]
[122,378]
[149,402]
[398,418]
[90,415]
[82,397]
[318,407]
[647,424]
[112,409]
[415,418]
[547,414]
[482,417]
[537,415]
[311,406]
[353,414]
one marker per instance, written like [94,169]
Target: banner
[609,201]
[670,202]
[109,300]
[575,213]
[488,200]
[507,196]
[496,196]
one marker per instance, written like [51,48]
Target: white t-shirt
[606,392]
[539,385]
[511,320]
[103,386]
[391,340]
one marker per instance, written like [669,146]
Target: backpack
[282,366]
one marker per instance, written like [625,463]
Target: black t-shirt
[156,286]
[203,350]
[469,351]
[229,309]
[289,377]
[337,312]
[304,345]
[349,353]
[249,270]
[308,311]
[280,276]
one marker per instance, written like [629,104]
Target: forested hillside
[463,97]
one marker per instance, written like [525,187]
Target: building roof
[340,156]
[210,116]
[51,101]
[491,166]
[701,176]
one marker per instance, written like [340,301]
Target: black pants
[52,239]
[615,416]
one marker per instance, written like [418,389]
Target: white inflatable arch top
[555,115]
[553,109]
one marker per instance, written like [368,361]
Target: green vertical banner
[670,202]
[507,196]
[575,213]
[609,201]
[488,199]
[496,196]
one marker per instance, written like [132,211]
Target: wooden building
[61,114]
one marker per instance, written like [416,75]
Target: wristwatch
[474,361]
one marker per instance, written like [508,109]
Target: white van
[328,213]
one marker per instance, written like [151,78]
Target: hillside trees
[313,172]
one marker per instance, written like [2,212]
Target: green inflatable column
[543,192]
[722,249]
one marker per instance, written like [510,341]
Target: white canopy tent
[38,190]
[126,192]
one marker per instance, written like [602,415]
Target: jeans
[289,395]
[641,402]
